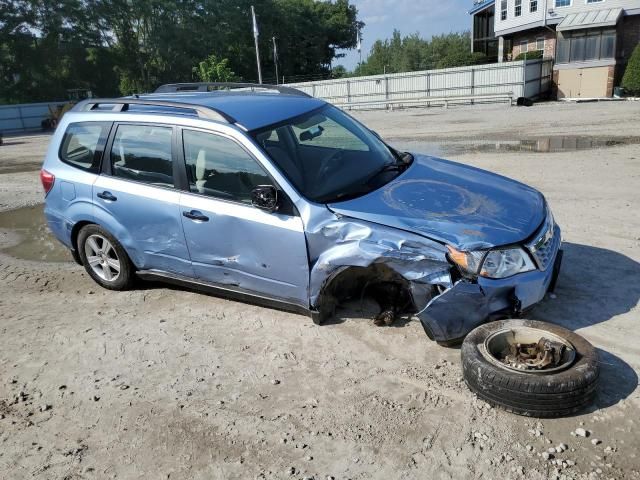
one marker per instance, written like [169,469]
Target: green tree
[631,78]
[132,46]
[213,70]
[411,53]
[339,72]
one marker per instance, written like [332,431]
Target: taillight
[47,180]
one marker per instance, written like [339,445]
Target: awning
[591,19]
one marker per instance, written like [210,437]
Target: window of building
[83,144]
[592,46]
[577,48]
[608,44]
[503,10]
[143,153]
[524,46]
[563,48]
[540,43]
[594,1]
[586,45]
[563,3]
[518,9]
[218,167]
[533,6]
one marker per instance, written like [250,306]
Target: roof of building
[591,19]
[252,110]
[480,5]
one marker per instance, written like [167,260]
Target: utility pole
[359,48]
[255,39]
[275,57]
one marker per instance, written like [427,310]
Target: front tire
[104,259]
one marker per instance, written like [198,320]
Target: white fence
[530,79]
[24,117]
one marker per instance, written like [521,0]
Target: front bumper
[452,315]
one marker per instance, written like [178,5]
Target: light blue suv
[268,195]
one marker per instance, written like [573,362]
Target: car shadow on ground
[618,380]
[596,285]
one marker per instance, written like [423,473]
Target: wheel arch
[75,232]
[349,281]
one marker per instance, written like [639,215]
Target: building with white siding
[590,41]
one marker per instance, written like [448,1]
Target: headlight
[499,263]
[505,263]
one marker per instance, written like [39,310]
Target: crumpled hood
[453,203]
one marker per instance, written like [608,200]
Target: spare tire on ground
[530,368]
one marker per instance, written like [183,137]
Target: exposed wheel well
[377,280]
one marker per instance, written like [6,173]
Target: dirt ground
[167,383]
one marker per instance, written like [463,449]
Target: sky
[426,17]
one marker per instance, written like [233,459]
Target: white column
[500,49]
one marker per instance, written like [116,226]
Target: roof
[591,19]
[479,5]
[251,110]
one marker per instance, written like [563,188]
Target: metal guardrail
[427,101]
[530,78]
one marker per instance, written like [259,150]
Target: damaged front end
[409,273]
[405,273]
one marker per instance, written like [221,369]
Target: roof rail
[122,105]
[211,86]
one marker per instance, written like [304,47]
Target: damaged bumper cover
[451,316]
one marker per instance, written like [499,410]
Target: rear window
[83,144]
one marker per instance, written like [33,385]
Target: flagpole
[255,39]
[275,57]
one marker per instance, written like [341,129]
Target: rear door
[231,242]
[136,198]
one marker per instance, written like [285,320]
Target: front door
[231,242]
[136,200]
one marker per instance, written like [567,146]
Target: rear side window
[143,153]
[83,143]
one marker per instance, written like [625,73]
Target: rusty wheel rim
[528,350]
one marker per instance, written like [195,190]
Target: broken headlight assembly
[498,263]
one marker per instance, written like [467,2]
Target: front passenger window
[219,167]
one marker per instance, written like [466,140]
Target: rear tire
[104,259]
[542,395]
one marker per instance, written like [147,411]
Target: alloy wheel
[102,257]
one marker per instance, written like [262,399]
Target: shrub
[631,78]
[530,55]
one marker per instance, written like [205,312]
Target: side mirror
[265,197]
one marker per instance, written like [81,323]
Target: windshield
[328,156]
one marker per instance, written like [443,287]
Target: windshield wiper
[399,166]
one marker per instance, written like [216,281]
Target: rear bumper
[452,315]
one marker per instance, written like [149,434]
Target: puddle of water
[531,145]
[36,241]
[21,167]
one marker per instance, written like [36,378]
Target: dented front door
[244,247]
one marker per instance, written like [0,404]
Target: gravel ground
[167,383]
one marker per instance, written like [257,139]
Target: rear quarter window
[83,144]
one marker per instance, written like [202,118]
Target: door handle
[107,196]
[196,215]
